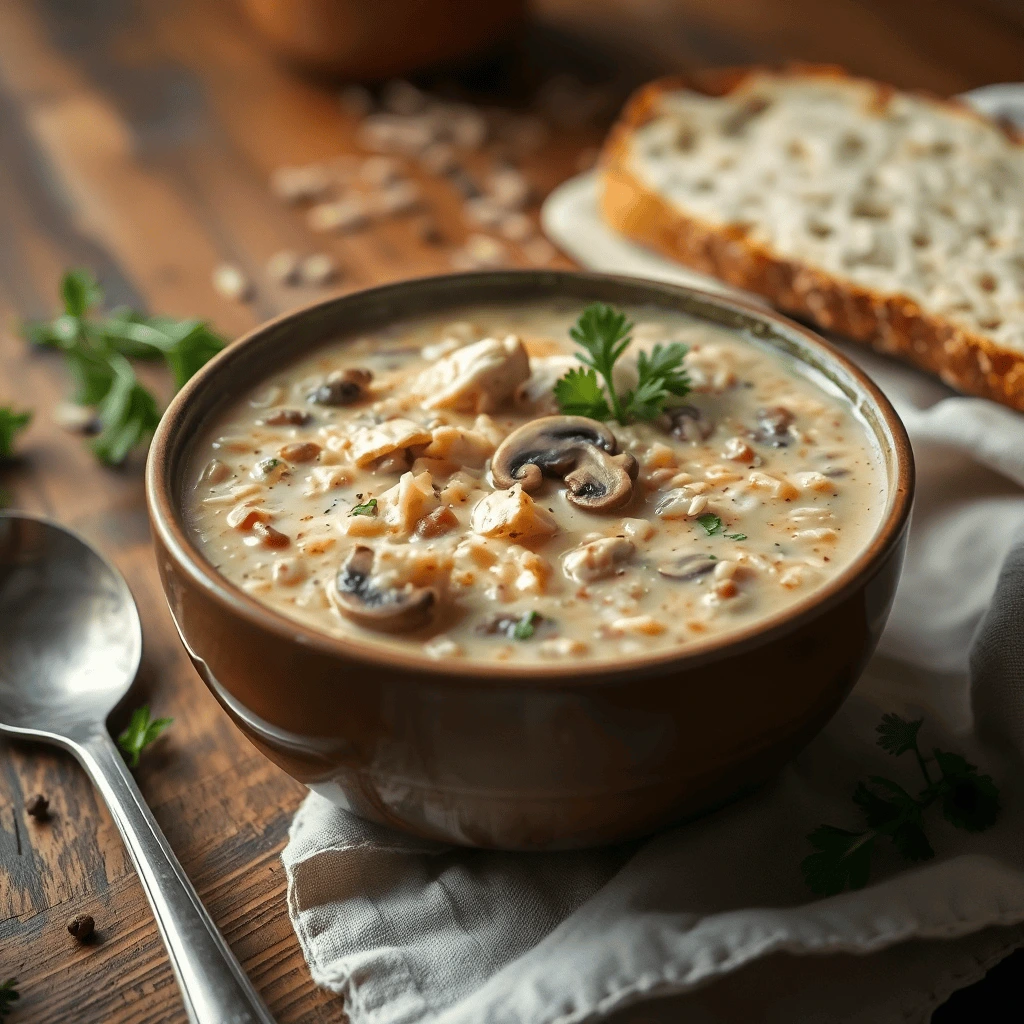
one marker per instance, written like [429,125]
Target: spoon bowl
[70,646]
[70,636]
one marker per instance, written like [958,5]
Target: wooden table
[137,139]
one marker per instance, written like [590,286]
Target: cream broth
[370,491]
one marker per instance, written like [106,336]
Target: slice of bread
[892,218]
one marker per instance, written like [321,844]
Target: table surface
[137,139]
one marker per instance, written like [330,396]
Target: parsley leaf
[969,801]
[8,995]
[843,860]
[604,334]
[80,292]
[97,350]
[712,524]
[11,423]
[735,536]
[896,735]
[579,394]
[141,732]
[128,414]
[526,626]
[367,509]
[659,376]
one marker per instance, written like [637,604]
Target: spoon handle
[213,984]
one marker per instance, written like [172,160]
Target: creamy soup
[420,489]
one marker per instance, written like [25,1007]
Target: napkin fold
[409,931]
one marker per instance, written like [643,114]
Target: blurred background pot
[374,39]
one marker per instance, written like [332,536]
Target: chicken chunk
[512,514]
[459,446]
[598,559]
[369,443]
[408,501]
[477,378]
[510,570]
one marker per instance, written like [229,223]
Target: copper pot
[374,39]
[521,756]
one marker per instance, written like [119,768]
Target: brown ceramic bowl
[371,39]
[521,756]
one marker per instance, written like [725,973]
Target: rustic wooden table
[137,137]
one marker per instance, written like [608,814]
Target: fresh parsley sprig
[141,732]
[98,350]
[968,800]
[526,626]
[368,508]
[713,525]
[11,423]
[604,335]
[8,995]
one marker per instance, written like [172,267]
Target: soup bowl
[523,756]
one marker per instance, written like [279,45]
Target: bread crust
[893,324]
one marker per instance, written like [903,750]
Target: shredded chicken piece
[512,514]
[477,378]
[598,559]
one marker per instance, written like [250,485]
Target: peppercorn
[38,807]
[82,926]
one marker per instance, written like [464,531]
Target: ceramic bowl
[521,756]
[368,40]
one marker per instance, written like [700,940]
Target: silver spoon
[70,645]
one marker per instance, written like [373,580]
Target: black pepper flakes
[38,807]
[82,927]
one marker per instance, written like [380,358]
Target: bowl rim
[167,517]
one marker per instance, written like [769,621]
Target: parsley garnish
[10,423]
[526,626]
[367,509]
[140,733]
[968,800]
[603,333]
[8,995]
[98,350]
[712,524]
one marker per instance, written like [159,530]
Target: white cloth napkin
[408,931]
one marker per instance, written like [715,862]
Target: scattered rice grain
[283,267]
[318,269]
[230,282]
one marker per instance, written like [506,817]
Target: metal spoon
[70,644]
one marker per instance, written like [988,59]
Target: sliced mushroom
[577,449]
[392,610]
[287,418]
[690,424]
[773,427]
[687,568]
[343,387]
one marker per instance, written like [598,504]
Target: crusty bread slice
[892,218]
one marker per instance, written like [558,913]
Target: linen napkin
[408,931]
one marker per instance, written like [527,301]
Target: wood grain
[136,137]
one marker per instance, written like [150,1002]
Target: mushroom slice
[579,450]
[687,568]
[690,424]
[392,610]
[773,427]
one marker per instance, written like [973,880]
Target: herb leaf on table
[11,423]
[140,733]
[8,995]
[968,799]
[603,333]
[98,349]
